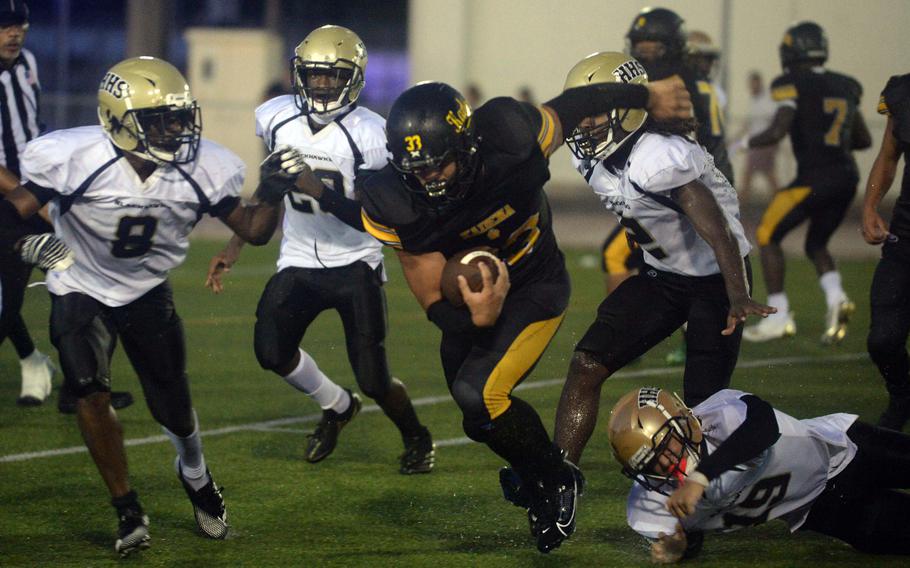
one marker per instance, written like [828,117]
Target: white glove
[46,251]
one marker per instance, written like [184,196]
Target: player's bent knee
[586,364]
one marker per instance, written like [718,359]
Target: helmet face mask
[328,69]
[431,138]
[146,108]
[596,138]
[655,438]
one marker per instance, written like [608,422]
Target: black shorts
[647,308]
[823,204]
[483,368]
[85,332]
[618,254]
[295,296]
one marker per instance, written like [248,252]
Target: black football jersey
[505,208]
[708,113]
[826,105]
[895,102]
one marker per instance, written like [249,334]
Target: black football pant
[647,308]
[85,332]
[824,205]
[862,505]
[890,325]
[14,277]
[295,296]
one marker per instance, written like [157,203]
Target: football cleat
[518,493]
[66,404]
[556,508]
[37,370]
[132,531]
[836,322]
[321,443]
[897,414]
[208,506]
[419,454]
[771,328]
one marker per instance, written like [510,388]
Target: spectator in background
[759,160]
[473,95]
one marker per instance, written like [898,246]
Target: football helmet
[701,54]
[647,423]
[328,69]
[658,24]
[803,42]
[146,108]
[430,126]
[598,137]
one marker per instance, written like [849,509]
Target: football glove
[46,251]
[277,174]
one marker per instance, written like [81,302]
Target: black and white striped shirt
[19,93]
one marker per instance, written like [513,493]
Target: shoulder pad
[661,163]
[783,88]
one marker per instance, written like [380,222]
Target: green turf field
[354,509]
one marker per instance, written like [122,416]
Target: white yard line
[278,424]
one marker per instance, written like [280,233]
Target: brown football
[465,264]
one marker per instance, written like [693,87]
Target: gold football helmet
[328,69]
[650,422]
[598,137]
[146,108]
[701,54]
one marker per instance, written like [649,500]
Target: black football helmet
[429,126]
[803,42]
[658,24]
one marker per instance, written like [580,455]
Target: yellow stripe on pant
[783,203]
[522,354]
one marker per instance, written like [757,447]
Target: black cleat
[321,443]
[897,414]
[208,506]
[520,494]
[67,402]
[556,508]
[419,454]
[133,530]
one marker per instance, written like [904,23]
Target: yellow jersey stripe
[547,131]
[515,364]
[785,201]
[883,106]
[617,253]
[381,233]
[784,93]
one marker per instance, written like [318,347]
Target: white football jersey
[780,483]
[126,234]
[313,238]
[639,194]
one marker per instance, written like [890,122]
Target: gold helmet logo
[788,40]
[640,22]
[460,118]
[413,145]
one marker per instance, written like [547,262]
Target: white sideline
[277,424]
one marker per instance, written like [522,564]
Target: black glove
[46,251]
[277,174]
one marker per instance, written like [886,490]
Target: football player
[124,197]
[684,215]
[820,111]
[459,179]
[890,294]
[620,257]
[327,260]
[733,461]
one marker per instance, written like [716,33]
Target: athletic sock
[831,284]
[779,301]
[307,378]
[189,452]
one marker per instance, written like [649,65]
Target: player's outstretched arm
[222,263]
[664,99]
[18,204]
[776,131]
[875,228]
[709,222]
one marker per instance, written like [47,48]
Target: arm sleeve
[451,319]
[575,104]
[758,432]
[347,210]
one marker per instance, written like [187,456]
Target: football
[466,263]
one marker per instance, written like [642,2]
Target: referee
[19,104]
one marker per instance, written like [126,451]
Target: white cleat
[37,370]
[836,322]
[771,328]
